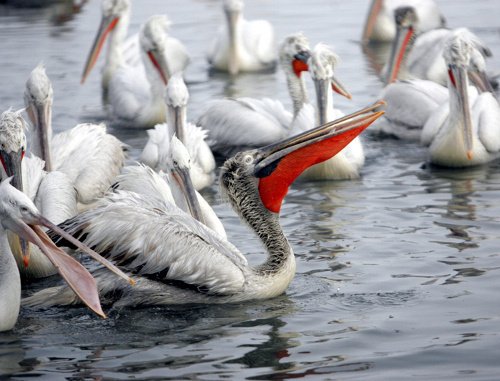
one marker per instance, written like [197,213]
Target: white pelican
[464,131]
[173,187]
[136,92]
[121,52]
[247,122]
[87,154]
[346,164]
[380,26]
[20,216]
[176,259]
[53,193]
[242,45]
[155,151]
[422,56]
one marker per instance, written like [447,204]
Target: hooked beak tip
[469,154]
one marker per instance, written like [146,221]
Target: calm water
[397,272]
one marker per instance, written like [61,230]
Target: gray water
[396,272]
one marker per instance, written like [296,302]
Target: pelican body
[86,153]
[19,215]
[242,45]
[180,260]
[463,131]
[155,153]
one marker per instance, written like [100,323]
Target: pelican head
[457,55]
[322,65]
[294,52]
[12,145]
[179,163]
[233,6]
[406,26]
[38,97]
[153,38]
[112,12]
[176,97]
[269,171]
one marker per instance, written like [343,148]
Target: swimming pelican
[178,259]
[114,22]
[242,45]
[173,187]
[346,164]
[155,151]
[422,56]
[87,154]
[53,193]
[20,216]
[136,93]
[464,131]
[380,26]
[248,122]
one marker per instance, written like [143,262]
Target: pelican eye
[248,159]
[24,209]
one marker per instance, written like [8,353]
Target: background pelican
[53,193]
[19,215]
[155,151]
[242,45]
[346,164]
[248,122]
[136,93]
[380,25]
[87,154]
[174,186]
[115,21]
[464,131]
[179,260]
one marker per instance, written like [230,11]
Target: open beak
[107,24]
[370,21]
[279,164]
[299,62]
[183,178]
[459,80]
[77,276]
[40,116]
[160,63]
[404,36]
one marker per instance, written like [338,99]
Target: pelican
[136,93]
[380,26]
[20,216]
[114,22]
[176,259]
[422,56]
[248,122]
[155,151]
[87,154]
[242,45]
[53,193]
[173,187]
[464,131]
[346,164]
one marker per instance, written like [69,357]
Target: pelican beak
[339,88]
[481,81]
[40,116]
[232,63]
[177,117]
[183,178]
[404,36]
[279,164]
[160,63]
[299,62]
[107,24]
[458,79]
[322,87]
[371,20]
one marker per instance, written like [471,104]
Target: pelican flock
[147,218]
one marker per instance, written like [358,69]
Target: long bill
[107,24]
[399,49]
[160,63]
[459,80]
[280,163]
[178,117]
[40,116]
[371,20]
[183,178]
